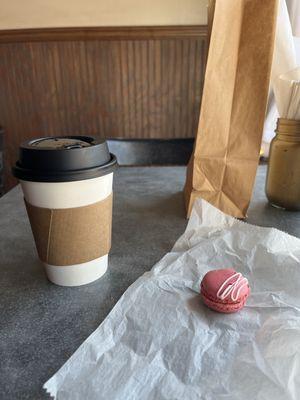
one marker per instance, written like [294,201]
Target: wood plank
[103,33]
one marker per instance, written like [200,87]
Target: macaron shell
[224,307]
[213,280]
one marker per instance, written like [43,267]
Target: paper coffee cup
[67,186]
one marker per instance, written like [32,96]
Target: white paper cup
[60,195]
[67,195]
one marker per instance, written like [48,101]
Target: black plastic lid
[63,159]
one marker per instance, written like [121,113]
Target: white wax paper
[160,342]
[284,59]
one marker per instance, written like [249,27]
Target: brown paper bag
[223,165]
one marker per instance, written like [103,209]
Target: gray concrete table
[43,324]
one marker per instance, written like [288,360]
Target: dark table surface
[41,324]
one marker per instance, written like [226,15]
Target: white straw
[287,94]
[293,101]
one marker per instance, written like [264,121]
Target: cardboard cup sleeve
[74,235]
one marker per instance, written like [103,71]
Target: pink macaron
[224,290]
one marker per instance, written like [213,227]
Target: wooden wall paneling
[112,82]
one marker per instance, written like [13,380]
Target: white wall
[15,14]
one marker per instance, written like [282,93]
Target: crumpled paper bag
[161,342]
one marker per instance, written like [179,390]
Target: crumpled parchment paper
[161,342]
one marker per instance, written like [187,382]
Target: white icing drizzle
[234,288]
